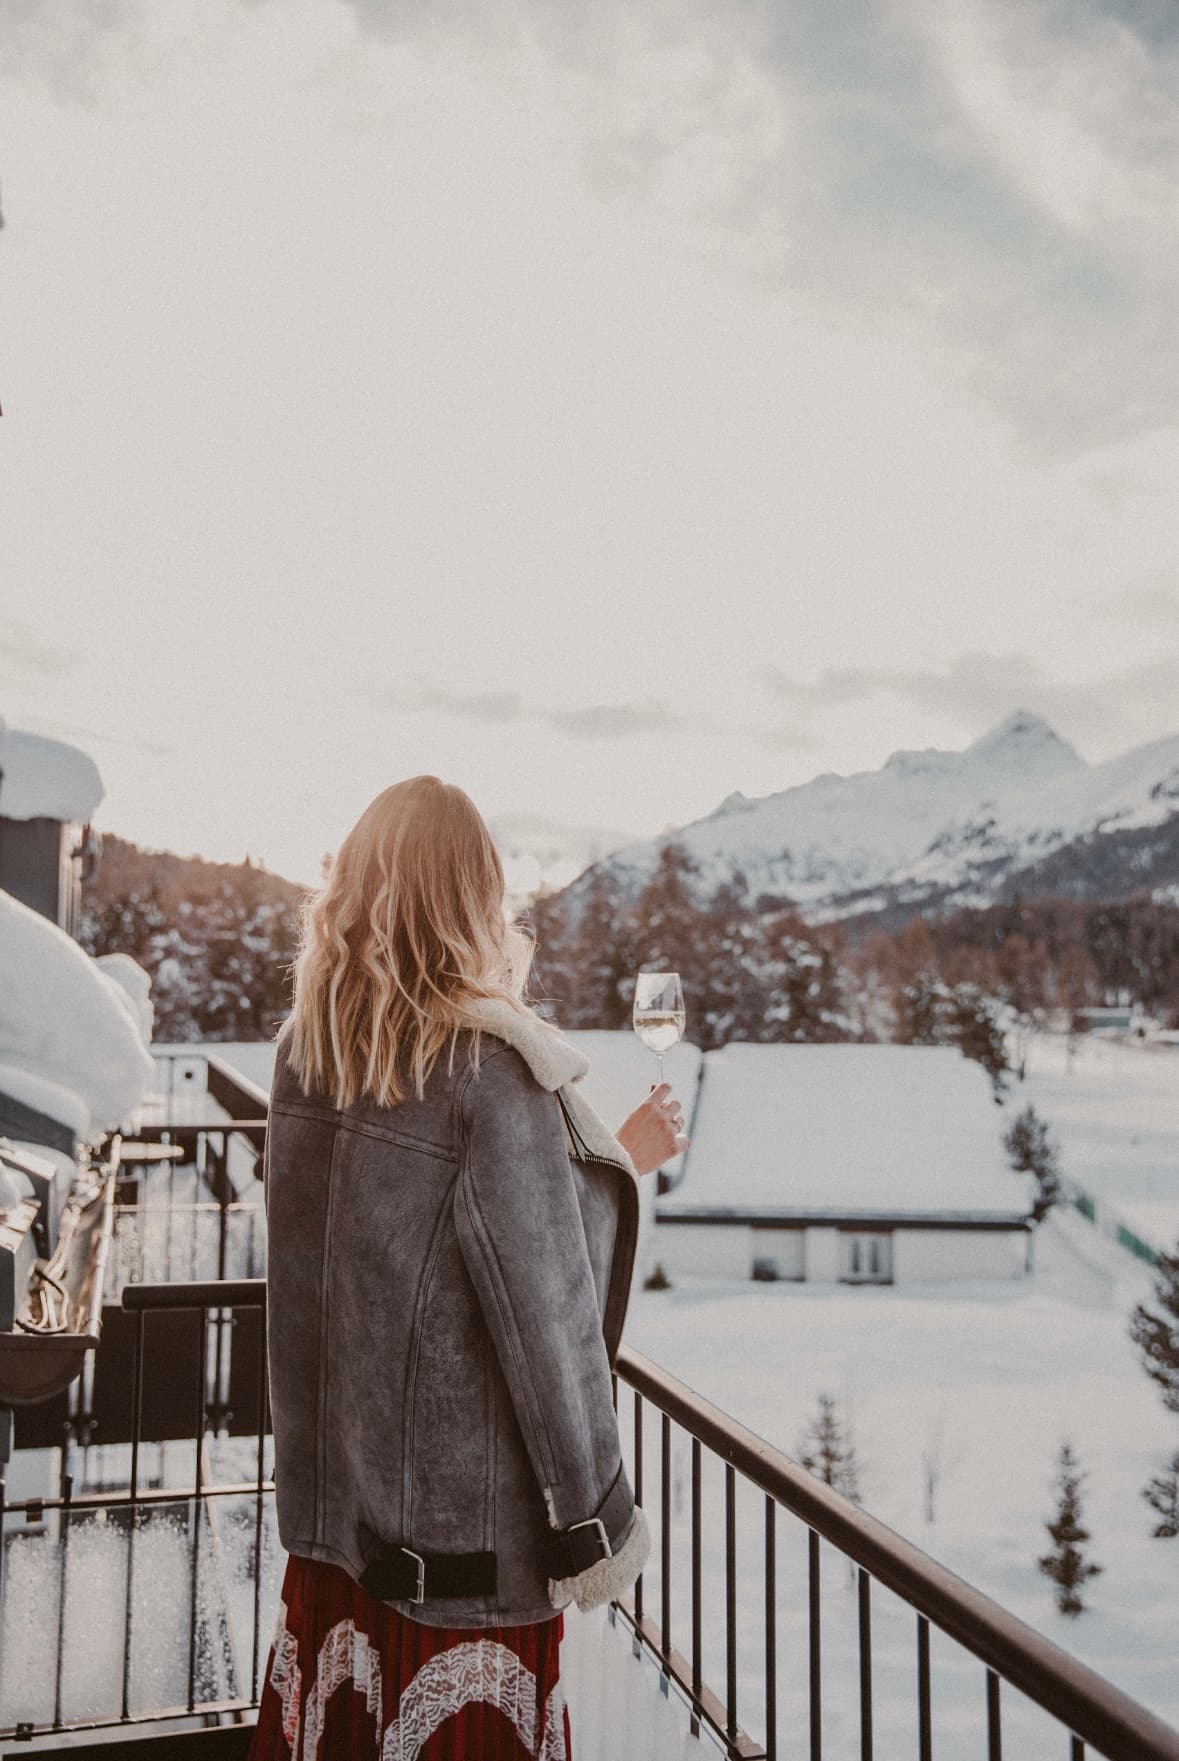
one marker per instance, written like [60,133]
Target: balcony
[141,1564]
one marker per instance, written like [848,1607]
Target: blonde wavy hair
[409,927]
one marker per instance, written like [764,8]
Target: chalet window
[867,1257]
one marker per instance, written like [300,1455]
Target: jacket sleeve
[520,1231]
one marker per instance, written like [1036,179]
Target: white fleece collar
[555,1064]
[550,1057]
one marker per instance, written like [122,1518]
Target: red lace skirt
[348,1678]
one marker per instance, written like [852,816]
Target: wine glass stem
[659,1055]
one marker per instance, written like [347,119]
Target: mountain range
[1017,812]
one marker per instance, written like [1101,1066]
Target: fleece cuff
[606,1578]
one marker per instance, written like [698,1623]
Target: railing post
[638,1487]
[994,1732]
[771,1632]
[924,1716]
[865,1666]
[730,1601]
[816,1674]
[696,1623]
[665,1529]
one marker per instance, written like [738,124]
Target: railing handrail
[1090,1705]
[209,1293]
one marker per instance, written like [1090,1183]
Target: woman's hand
[654,1132]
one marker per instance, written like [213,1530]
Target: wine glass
[658,1013]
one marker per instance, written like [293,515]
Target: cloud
[480,706]
[977,689]
[615,720]
[997,175]
[592,722]
[1147,605]
[786,739]
[21,651]
[68,48]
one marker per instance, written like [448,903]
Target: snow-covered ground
[1114,1111]
[986,1381]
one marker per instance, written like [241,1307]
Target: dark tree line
[1051,954]
[748,974]
[216,938]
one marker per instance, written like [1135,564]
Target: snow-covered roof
[847,1128]
[45,779]
[71,1042]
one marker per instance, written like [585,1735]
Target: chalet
[863,1164]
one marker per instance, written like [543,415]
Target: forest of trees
[754,970]
[218,940]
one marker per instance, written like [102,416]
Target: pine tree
[1065,1564]
[667,915]
[1156,1332]
[1030,1151]
[826,1449]
[974,1025]
[921,1005]
[1162,1494]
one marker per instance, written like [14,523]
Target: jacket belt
[582,1544]
[399,1574]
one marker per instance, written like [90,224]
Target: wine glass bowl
[658,1011]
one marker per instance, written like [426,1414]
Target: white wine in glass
[658,1013]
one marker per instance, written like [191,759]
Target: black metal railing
[1068,1702]
[190,1201]
[743,1635]
[140,1520]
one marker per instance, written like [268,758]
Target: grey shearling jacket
[447,1282]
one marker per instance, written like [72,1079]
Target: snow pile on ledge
[135,985]
[71,1038]
[45,779]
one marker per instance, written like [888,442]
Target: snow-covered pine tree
[1030,1151]
[805,994]
[975,1026]
[921,1005]
[1162,1494]
[667,914]
[1156,1331]
[1065,1564]
[826,1449]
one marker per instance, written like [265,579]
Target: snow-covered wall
[927,1256]
[71,1038]
[729,1249]
[45,779]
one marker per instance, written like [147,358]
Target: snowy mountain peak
[1023,738]
[735,802]
[919,763]
[929,825]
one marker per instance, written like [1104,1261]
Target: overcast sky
[602,407]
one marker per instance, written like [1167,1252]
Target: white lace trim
[286,1677]
[345,1655]
[479,1670]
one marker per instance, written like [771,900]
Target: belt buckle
[420,1593]
[595,1522]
